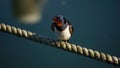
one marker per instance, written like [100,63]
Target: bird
[62,28]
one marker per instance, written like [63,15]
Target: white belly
[63,35]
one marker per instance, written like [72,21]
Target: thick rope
[61,45]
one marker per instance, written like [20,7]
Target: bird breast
[63,35]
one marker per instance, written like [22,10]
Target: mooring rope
[60,44]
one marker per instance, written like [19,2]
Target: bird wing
[71,28]
[52,27]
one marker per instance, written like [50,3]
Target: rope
[60,44]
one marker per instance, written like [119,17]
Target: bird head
[58,20]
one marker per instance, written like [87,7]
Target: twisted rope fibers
[60,44]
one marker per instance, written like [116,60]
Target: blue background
[96,24]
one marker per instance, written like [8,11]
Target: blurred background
[96,24]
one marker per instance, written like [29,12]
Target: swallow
[62,28]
